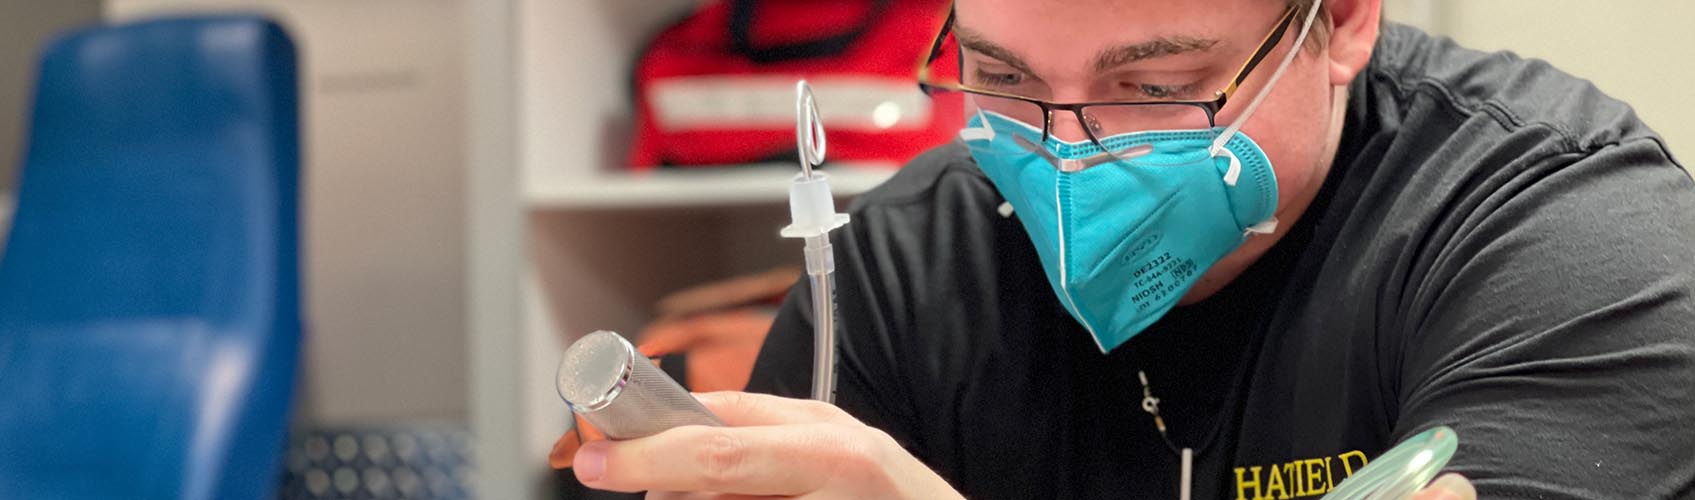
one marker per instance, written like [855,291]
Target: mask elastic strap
[983,133]
[1300,41]
[1234,173]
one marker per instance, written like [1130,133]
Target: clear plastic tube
[1401,471]
[824,336]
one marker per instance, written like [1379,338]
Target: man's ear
[1353,34]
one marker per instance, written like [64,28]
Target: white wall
[1639,51]
[384,227]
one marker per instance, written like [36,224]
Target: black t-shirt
[1499,247]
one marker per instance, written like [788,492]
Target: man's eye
[1156,91]
[1151,91]
[992,79]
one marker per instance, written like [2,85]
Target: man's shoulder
[1444,134]
[1518,97]
[1502,174]
[938,179]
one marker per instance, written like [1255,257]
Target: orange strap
[565,449]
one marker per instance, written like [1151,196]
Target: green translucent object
[1403,470]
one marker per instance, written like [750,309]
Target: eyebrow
[1159,47]
[976,42]
[1105,60]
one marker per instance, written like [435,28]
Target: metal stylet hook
[809,129]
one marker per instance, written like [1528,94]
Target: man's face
[1099,50]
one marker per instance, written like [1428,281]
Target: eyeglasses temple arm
[1270,42]
[935,48]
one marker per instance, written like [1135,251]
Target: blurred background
[481,187]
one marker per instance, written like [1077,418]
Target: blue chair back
[150,318]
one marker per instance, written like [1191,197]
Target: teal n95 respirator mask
[1126,224]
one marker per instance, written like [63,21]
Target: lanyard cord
[1150,404]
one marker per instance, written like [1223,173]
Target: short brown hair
[1320,28]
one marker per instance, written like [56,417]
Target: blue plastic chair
[149,291]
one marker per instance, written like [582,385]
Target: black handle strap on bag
[741,38]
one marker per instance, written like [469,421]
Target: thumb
[1448,487]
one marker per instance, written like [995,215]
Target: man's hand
[789,447]
[1448,487]
[772,446]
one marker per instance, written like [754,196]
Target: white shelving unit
[564,240]
[701,187]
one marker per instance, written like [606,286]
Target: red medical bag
[718,87]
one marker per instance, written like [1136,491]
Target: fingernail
[1456,485]
[591,461]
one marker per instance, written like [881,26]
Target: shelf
[694,186]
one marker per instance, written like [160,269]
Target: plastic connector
[813,212]
[812,208]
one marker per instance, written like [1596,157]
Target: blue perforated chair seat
[380,462]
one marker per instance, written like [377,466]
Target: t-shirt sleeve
[784,365]
[1556,333]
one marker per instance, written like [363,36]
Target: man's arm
[1556,334]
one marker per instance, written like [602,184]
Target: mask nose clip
[1069,165]
[1064,165]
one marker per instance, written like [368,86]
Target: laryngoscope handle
[611,385]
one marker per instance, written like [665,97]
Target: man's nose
[1063,125]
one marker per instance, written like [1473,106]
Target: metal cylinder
[611,385]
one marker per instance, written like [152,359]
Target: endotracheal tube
[814,215]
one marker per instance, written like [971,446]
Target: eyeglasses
[1099,118]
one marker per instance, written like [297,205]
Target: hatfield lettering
[1303,478]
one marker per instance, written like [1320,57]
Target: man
[1084,301]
